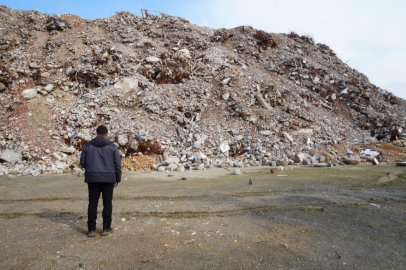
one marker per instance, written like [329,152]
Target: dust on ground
[305,218]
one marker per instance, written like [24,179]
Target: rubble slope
[163,85]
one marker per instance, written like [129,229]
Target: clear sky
[369,34]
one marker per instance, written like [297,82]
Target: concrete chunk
[11,156]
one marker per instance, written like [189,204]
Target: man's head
[102,131]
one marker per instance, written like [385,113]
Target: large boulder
[11,156]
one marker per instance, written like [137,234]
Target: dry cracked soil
[305,218]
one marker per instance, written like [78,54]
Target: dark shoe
[106,232]
[91,234]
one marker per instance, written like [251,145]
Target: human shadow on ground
[66,218]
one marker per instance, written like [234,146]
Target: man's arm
[117,165]
[83,157]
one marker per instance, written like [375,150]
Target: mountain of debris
[167,88]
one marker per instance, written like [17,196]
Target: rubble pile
[170,89]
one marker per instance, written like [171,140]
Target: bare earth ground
[306,218]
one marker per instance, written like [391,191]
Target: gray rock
[352,160]
[319,165]
[299,158]
[307,161]
[172,167]
[11,156]
[127,85]
[172,160]
[68,150]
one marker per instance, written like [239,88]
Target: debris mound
[169,89]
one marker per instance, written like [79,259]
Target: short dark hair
[102,130]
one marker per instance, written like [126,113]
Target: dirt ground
[305,218]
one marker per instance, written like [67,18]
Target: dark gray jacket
[101,160]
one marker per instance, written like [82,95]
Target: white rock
[49,88]
[134,145]
[287,136]
[303,131]
[122,139]
[225,96]
[152,59]
[172,167]
[224,147]
[57,156]
[69,71]
[68,150]
[265,132]
[236,171]
[29,93]
[172,160]
[186,53]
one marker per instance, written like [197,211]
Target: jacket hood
[100,141]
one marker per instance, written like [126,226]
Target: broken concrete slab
[11,156]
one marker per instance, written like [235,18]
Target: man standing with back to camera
[102,163]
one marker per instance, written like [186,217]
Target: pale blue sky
[368,34]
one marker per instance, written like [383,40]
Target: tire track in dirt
[170,198]
[184,214]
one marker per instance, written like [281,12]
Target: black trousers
[106,189]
